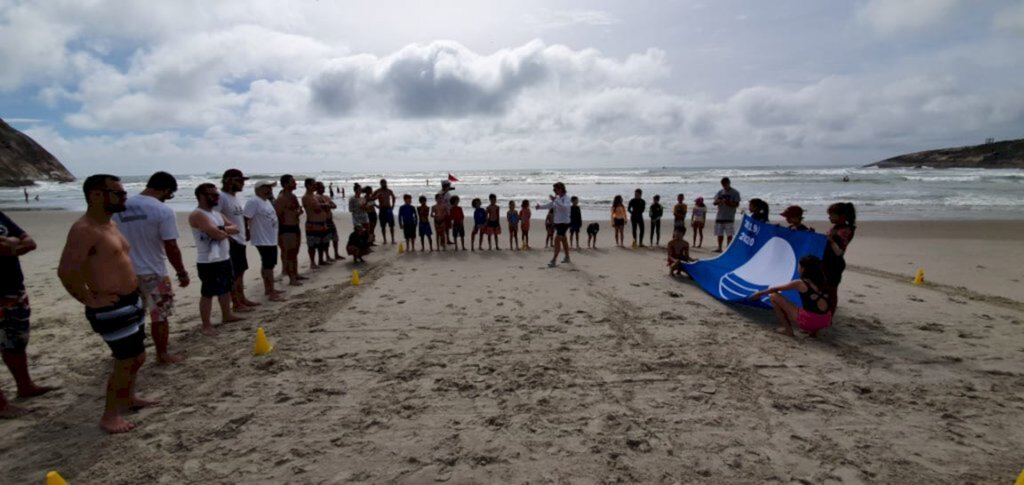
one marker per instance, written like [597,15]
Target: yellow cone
[524,247]
[1020,479]
[919,279]
[634,244]
[54,478]
[262,344]
[355,278]
[401,248]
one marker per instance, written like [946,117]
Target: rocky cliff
[23,161]
[1000,154]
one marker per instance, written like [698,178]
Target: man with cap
[234,211]
[794,216]
[152,231]
[262,226]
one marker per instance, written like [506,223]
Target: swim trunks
[386,217]
[458,229]
[560,229]
[217,278]
[283,229]
[332,230]
[158,294]
[813,322]
[574,228]
[620,222]
[492,227]
[425,229]
[268,256]
[239,260]
[409,230]
[725,229]
[121,325]
[14,323]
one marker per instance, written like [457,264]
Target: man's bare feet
[35,391]
[275,297]
[232,318]
[294,283]
[785,331]
[242,309]
[169,359]
[300,277]
[138,403]
[250,303]
[114,424]
[209,331]
[326,263]
[11,411]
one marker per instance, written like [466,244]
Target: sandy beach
[492,368]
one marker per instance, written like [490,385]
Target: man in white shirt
[262,226]
[563,217]
[151,230]
[234,211]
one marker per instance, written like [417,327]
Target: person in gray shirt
[727,200]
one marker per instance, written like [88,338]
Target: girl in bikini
[815,297]
[619,220]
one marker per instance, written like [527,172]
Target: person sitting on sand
[816,314]
[213,259]
[95,268]
[14,314]
[678,252]
[358,244]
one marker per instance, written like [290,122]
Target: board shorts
[574,228]
[425,229]
[217,278]
[14,323]
[409,230]
[725,228]
[620,223]
[158,295]
[458,229]
[560,229]
[332,230]
[813,322]
[268,256]
[525,225]
[122,325]
[478,228]
[387,218]
[239,260]
[492,228]
[317,234]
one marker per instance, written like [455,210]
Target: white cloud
[555,19]
[897,16]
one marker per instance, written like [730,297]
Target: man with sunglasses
[213,257]
[96,269]
[151,229]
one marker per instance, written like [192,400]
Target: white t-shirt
[563,209]
[146,224]
[233,211]
[262,221]
[208,249]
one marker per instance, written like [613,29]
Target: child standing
[619,220]
[423,213]
[679,213]
[513,226]
[700,214]
[656,211]
[794,216]
[524,219]
[440,215]
[843,217]
[549,226]
[493,226]
[479,222]
[592,230]
[407,222]
[457,218]
[678,252]
[575,221]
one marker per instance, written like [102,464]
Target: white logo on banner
[772,265]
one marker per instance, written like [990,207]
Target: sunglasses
[120,193]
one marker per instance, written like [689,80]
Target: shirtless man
[152,231]
[385,202]
[289,235]
[332,229]
[96,270]
[14,314]
[317,234]
[212,231]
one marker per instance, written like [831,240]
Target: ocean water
[879,194]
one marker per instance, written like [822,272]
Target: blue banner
[760,256]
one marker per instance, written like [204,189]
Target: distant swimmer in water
[846,178]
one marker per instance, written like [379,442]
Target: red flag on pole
[451,178]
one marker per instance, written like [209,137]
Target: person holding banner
[815,297]
[727,200]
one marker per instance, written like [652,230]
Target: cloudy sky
[195,86]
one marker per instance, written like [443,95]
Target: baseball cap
[265,183]
[793,211]
[233,172]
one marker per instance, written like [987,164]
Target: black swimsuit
[812,297]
